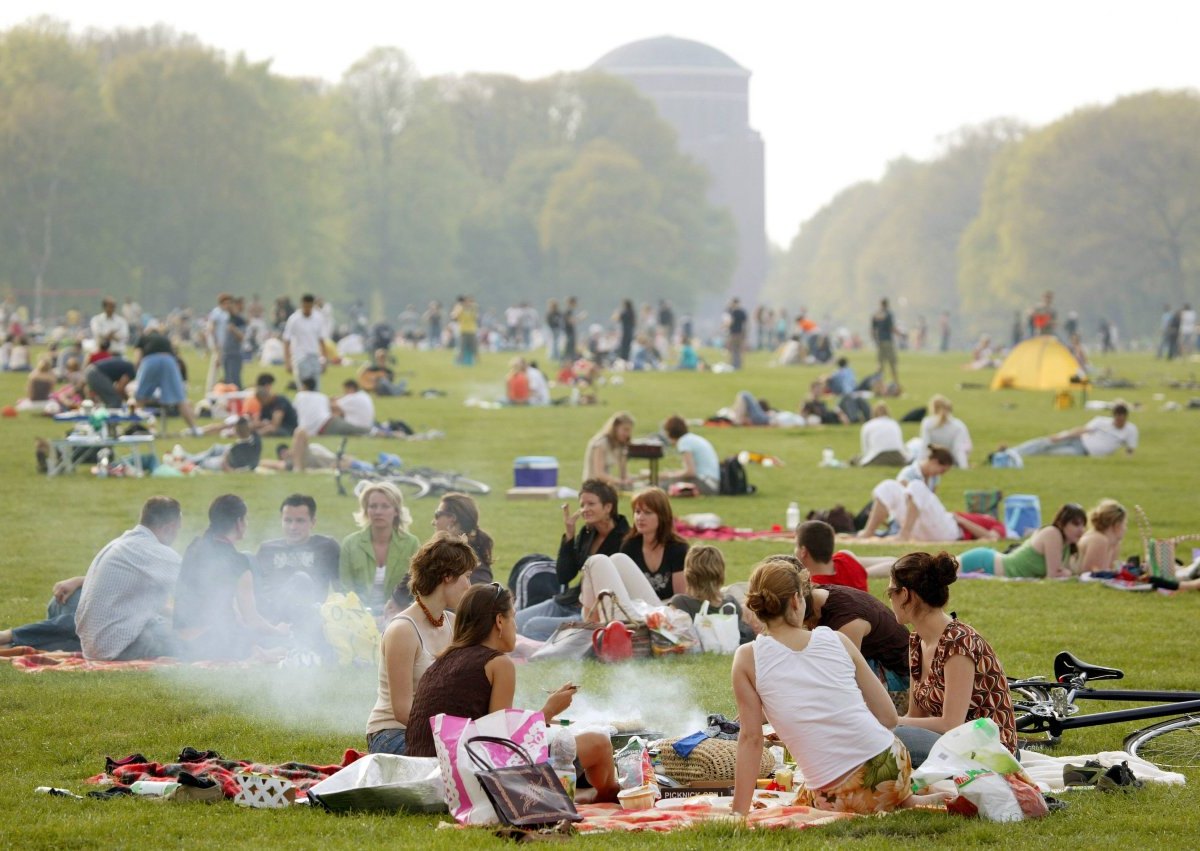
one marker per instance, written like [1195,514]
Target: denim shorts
[160,372]
[392,741]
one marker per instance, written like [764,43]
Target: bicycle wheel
[1174,743]
[413,487]
[1031,706]
[461,484]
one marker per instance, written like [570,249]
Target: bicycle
[414,483]
[1046,708]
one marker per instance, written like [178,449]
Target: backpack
[533,580]
[733,478]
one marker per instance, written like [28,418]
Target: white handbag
[718,631]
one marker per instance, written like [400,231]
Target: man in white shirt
[125,591]
[317,414]
[357,406]
[880,440]
[303,342]
[1100,437]
[110,326]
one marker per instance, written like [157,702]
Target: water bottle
[102,469]
[562,757]
[793,516]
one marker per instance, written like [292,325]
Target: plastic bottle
[102,469]
[793,516]
[562,757]
[153,787]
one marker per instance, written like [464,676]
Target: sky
[838,89]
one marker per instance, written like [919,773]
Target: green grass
[57,729]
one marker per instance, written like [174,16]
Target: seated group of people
[606,457]
[139,599]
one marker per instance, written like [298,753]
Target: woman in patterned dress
[955,674]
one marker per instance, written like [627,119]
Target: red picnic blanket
[729,533]
[130,769]
[35,662]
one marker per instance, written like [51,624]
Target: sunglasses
[892,591]
[439,514]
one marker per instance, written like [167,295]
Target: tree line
[145,163]
[1101,206]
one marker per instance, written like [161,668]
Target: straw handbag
[1159,553]
[711,760]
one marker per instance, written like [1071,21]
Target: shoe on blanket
[1163,583]
[1119,778]
[1083,775]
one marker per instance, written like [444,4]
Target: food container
[637,798]
[784,779]
[535,471]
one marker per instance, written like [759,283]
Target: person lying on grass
[910,501]
[1051,552]
[824,702]
[474,677]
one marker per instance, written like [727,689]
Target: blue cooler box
[1022,514]
[535,471]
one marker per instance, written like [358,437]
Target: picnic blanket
[729,533]
[1047,771]
[35,662]
[209,764]
[610,818]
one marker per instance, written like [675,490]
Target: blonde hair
[1106,515]
[395,497]
[940,406]
[618,419]
[772,585]
[704,570]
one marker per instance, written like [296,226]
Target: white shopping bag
[464,796]
[718,631]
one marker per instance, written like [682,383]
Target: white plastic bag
[384,781]
[718,631]
[989,780]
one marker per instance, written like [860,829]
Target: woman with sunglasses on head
[825,703]
[474,677]
[438,578]
[1050,552]
[955,674]
[456,515]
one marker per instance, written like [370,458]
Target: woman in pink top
[824,702]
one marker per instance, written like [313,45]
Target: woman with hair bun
[955,674]
[823,700]
[1100,546]
[458,514]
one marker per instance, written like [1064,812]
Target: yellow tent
[1039,363]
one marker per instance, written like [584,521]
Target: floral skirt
[879,785]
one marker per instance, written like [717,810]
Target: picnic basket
[711,760]
[1159,553]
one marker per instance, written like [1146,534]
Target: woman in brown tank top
[474,676]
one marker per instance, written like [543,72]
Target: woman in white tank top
[824,702]
[440,574]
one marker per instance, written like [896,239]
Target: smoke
[325,699]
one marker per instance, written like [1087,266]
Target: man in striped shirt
[127,586]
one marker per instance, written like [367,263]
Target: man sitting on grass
[126,588]
[242,456]
[297,571]
[815,552]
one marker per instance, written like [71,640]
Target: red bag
[613,643]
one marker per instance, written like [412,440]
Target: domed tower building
[705,96]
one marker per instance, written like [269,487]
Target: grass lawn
[57,728]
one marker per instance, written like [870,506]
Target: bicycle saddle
[1067,665]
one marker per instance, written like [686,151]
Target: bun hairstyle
[928,576]
[772,585]
[466,515]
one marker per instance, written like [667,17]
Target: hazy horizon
[836,92]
